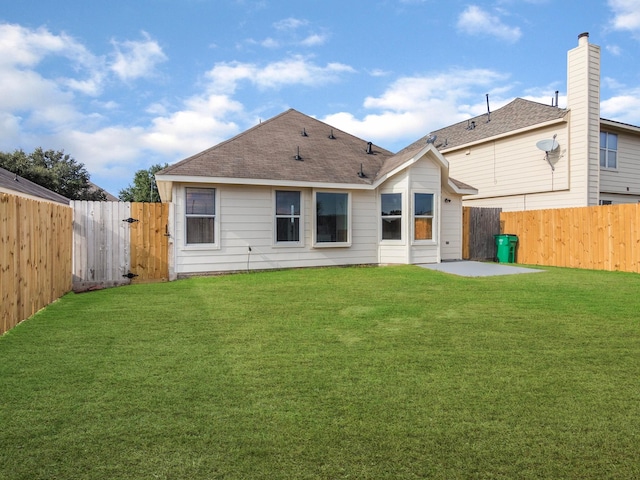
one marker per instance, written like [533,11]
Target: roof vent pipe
[298,157]
[369,148]
[557,98]
[304,132]
[331,135]
[361,173]
[488,110]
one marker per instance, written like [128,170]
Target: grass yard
[359,373]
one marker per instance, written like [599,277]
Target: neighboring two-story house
[527,155]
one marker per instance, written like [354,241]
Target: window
[608,150]
[287,216]
[332,217]
[423,216]
[391,204]
[201,215]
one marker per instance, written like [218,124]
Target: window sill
[332,245]
[288,245]
[201,247]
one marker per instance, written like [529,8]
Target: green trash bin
[506,248]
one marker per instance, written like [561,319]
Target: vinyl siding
[246,219]
[513,165]
[395,252]
[425,177]
[451,227]
[625,180]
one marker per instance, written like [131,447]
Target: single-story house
[13,184]
[527,155]
[296,192]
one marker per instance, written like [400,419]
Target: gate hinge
[130,275]
[130,220]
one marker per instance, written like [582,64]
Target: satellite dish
[431,138]
[547,146]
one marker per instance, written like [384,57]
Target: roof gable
[292,147]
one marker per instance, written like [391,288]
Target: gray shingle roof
[268,151]
[14,182]
[518,114]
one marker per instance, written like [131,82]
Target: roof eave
[166,181]
[530,128]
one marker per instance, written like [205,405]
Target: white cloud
[203,122]
[623,107]
[270,43]
[314,40]
[626,14]
[413,106]
[290,24]
[475,21]
[136,59]
[297,70]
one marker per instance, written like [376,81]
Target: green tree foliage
[144,188]
[55,170]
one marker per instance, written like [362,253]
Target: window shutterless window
[332,217]
[201,215]
[287,216]
[423,216]
[391,204]
[608,150]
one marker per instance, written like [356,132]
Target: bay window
[391,206]
[423,216]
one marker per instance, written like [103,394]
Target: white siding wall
[583,101]
[513,165]
[625,180]
[395,252]
[451,227]
[425,177]
[246,219]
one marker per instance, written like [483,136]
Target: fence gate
[116,243]
[479,225]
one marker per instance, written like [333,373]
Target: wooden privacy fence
[599,238]
[35,256]
[116,243]
[479,225]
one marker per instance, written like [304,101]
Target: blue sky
[122,85]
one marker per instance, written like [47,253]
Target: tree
[144,188]
[55,170]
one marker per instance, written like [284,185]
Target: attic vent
[369,148]
[304,132]
[297,156]
[331,135]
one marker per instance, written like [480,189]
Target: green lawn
[359,373]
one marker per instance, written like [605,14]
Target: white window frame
[606,150]
[314,206]
[216,222]
[402,216]
[300,217]
[434,218]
